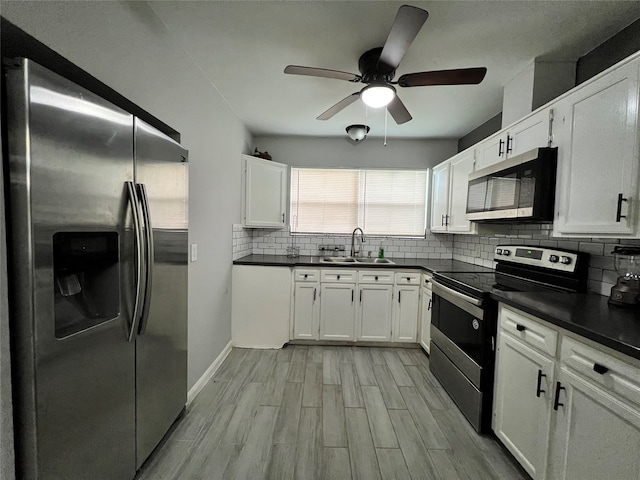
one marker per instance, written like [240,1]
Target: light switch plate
[194,252]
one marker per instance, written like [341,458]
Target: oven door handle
[462,296]
[469,304]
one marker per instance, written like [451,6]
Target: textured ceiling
[243,48]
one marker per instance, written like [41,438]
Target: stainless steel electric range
[463,328]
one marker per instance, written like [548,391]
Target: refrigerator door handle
[133,199]
[142,190]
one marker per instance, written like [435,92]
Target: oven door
[459,330]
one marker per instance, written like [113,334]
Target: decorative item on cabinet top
[259,154]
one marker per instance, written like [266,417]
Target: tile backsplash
[275,242]
[476,249]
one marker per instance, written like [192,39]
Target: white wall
[369,153]
[126,46]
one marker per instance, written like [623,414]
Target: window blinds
[382,202]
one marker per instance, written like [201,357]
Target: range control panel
[537,256]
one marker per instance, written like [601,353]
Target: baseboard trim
[208,374]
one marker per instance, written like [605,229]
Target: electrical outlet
[478,249]
[194,252]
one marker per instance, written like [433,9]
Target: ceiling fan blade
[398,111]
[322,72]
[460,76]
[406,25]
[345,102]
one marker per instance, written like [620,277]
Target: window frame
[362,184]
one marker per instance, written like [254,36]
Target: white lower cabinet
[407,303]
[374,316]
[337,311]
[426,296]
[595,436]
[572,415]
[522,407]
[260,306]
[306,304]
[375,305]
[306,311]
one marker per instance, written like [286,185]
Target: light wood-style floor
[310,412]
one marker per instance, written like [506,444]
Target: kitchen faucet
[355,252]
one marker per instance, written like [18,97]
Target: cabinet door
[407,302]
[440,197]
[337,311]
[596,130]
[260,306]
[306,311]
[490,151]
[594,435]
[530,133]
[521,414]
[374,319]
[461,167]
[264,193]
[425,319]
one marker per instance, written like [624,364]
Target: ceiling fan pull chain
[386,115]
[366,114]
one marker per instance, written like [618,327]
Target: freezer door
[72,284]
[161,345]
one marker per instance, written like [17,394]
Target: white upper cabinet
[440,196]
[597,135]
[534,131]
[264,193]
[449,194]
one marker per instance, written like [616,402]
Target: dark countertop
[586,314]
[427,264]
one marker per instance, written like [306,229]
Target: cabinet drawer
[408,278]
[528,330]
[338,276]
[306,275]
[376,276]
[426,281]
[611,374]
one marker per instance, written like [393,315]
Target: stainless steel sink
[375,261]
[356,261]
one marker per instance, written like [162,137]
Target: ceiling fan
[378,67]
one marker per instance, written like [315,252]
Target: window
[382,202]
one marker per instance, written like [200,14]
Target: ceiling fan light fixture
[377,95]
[357,132]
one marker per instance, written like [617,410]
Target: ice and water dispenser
[86,280]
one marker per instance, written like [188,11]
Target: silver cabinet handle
[146,213]
[133,200]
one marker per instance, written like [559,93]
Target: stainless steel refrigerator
[97,220]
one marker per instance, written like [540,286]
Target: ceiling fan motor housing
[373,71]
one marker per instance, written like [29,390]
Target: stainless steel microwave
[520,189]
